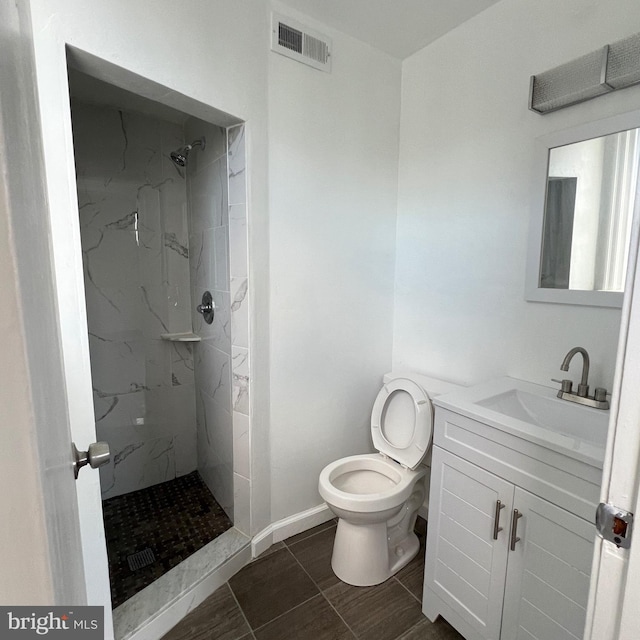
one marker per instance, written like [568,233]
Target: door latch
[614,525]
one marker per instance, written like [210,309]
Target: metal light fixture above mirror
[615,66]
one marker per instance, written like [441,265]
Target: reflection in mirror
[591,188]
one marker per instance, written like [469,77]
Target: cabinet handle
[514,529]
[496,520]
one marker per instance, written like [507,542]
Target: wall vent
[294,40]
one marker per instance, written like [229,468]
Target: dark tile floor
[290,592]
[173,519]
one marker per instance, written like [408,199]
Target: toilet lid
[402,422]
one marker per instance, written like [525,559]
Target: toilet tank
[432,386]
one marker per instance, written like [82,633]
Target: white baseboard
[287,527]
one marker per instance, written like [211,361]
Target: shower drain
[141,559]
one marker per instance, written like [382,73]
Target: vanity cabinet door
[466,558]
[547,584]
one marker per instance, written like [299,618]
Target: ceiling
[398,27]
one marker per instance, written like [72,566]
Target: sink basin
[534,412]
[551,413]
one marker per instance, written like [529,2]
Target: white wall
[466,163]
[333,165]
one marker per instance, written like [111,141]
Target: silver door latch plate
[614,524]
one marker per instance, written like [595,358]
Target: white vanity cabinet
[465,565]
[547,583]
[492,581]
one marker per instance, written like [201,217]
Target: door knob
[97,455]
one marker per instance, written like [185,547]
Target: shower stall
[162,205]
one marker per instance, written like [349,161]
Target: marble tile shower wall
[240,354]
[134,232]
[209,265]
[218,250]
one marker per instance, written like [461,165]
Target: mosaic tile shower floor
[173,519]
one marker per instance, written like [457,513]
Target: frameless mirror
[579,246]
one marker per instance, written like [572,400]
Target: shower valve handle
[204,308]
[207,308]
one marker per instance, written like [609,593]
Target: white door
[55,316]
[466,556]
[69,285]
[548,571]
[36,464]
[613,612]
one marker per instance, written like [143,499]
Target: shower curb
[156,609]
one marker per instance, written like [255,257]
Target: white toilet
[377,496]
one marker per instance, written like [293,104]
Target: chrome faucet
[583,387]
[599,398]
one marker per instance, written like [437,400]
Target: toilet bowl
[376,496]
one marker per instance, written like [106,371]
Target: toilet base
[402,554]
[362,556]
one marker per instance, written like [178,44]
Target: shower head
[179,156]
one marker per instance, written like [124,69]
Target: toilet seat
[340,486]
[402,422]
